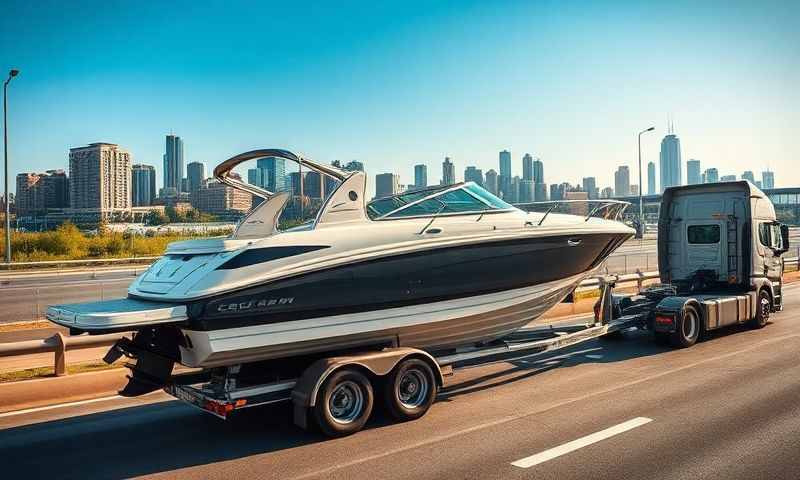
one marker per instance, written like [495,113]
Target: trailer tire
[687,331]
[410,389]
[763,309]
[344,403]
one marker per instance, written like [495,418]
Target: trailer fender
[669,310]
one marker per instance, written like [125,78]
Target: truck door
[706,247]
[771,246]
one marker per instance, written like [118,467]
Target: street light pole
[13,73]
[640,232]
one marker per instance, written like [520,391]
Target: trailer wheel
[688,328]
[410,389]
[344,403]
[762,310]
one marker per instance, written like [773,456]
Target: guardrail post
[60,354]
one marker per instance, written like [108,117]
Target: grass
[42,372]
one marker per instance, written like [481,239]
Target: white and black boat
[434,269]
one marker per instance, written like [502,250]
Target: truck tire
[409,390]
[763,309]
[687,331]
[344,403]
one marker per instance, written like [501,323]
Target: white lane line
[566,448]
[59,405]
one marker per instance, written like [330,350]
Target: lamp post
[13,73]
[640,231]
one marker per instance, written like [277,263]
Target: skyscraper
[540,192]
[269,173]
[313,185]
[38,192]
[538,171]
[670,158]
[143,185]
[195,173]
[693,172]
[386,184]
[622,181]
[100,178]
[711,175]
[768,179]
[590,187]
[651,178]
[504,179]
[473,174]
[173,164]
[490,182]
[748,175]
[527,191]
[527,167]
[420,176]
[448,172]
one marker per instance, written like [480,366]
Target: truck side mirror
[784,238]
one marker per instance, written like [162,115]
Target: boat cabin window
[450,199]
[703,234]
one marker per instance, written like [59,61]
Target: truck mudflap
[154,352]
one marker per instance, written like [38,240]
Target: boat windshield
[461,198]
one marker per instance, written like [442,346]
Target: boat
[439,268]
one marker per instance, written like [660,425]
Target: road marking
[566,448]
[58,405]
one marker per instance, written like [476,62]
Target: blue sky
[402,83]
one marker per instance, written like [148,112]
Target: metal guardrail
[58,344]
[92,261]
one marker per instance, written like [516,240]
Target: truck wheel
[344,403]
[409,390]
[688,328]
[762,310]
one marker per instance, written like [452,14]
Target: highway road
[607,409]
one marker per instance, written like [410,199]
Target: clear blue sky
[409,82]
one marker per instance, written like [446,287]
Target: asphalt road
[726,408]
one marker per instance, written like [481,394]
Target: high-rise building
[538,171]
[143,185]
[220,199]
[527,167]
[504,179]
[195,174]
[473,174]
[448,172]
[608,192]
[555,194]
[386,184]
[727,178]
[590,187]
[100,178]
[173,163]
[295,183]
[634,190]
[420,176]
[269,174]
[527,191]
[693,176]
[38,192]
[711,175]
[748,175]
[622,181]
[651,178]
[490,181]
[768,179]
[313,186]
[514,193]
[670,158]
[540,192]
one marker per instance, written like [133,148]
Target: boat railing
[606,209]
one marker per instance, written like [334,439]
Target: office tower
[607,192]
[711,175]
[540,192]
[504,179]
[514,193]
[100,178]
[448,172]
[590,187]
[527,192]
[490,181]
[220,199]
[38,192]
[727,178]
[622,182]
[473,174]
[527,167]
[420,176]
[386,184]
[651,178]
[255,176]
[748,175]
[768,179]
[538,171]
[693,172]
[173,164]
[670,158]
[313,186]
[143,185]
[294,182]
[195,174]
[554,192]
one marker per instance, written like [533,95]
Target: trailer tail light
[219,408]
[664,320]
